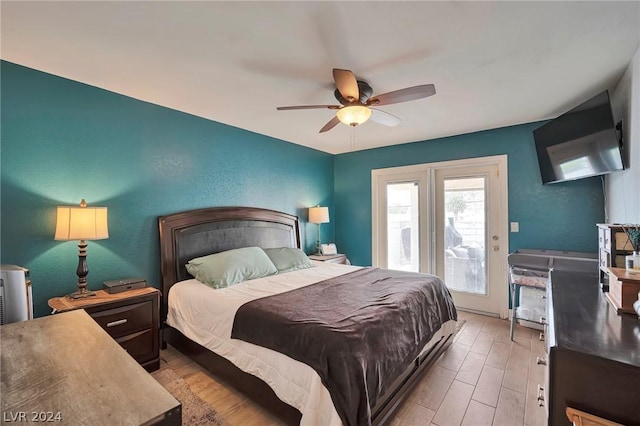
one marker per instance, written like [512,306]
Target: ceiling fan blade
[347,84]
[286,108]
[384,118]
[403,95]
[330,125]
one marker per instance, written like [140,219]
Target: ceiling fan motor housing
[365,93]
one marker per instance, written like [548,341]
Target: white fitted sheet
[206,316]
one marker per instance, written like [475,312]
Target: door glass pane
[403,249]
[465,234]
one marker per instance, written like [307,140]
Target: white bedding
[206,316]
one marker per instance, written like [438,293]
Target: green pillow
[230,267]
[288,259]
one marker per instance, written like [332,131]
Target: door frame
[379,258]
[379,179]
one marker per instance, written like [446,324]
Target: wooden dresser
[593,353]
[131,317]
[66,369]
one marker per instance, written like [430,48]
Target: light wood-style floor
[483,379]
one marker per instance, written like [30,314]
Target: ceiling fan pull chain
[352,138]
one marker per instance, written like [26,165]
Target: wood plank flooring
[483,379]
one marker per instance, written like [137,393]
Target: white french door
[402,208]
[447,219]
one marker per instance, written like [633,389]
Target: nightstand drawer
[139,345]
[125,319]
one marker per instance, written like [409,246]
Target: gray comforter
[358,331]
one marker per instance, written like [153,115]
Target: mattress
[206,316]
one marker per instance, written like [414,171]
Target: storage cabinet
[614,246]
[593,362]
[131,318]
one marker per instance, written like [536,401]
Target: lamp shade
[81,223]
[319,214]
[353,115]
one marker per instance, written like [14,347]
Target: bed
[288,388]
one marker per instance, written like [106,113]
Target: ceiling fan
[356,101]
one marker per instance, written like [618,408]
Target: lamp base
[81,294]
[82,272]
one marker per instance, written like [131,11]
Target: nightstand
[131,318]
[333,258]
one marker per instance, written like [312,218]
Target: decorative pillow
[288,259]
[230,267]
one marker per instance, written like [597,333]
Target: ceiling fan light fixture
[353,115]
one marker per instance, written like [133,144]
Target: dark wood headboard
[195,233]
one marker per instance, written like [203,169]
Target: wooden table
[66,369]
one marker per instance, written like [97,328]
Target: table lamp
[318,215]
[81,223]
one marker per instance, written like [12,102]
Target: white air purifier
[16,303]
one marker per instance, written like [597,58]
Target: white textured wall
[623,188]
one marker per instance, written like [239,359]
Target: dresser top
[585,322]
[101,297]
[66,363]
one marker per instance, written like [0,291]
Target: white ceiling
[493,64]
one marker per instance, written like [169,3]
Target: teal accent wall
[561,216]
[63,141]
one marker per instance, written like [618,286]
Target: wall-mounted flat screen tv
[580,143]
